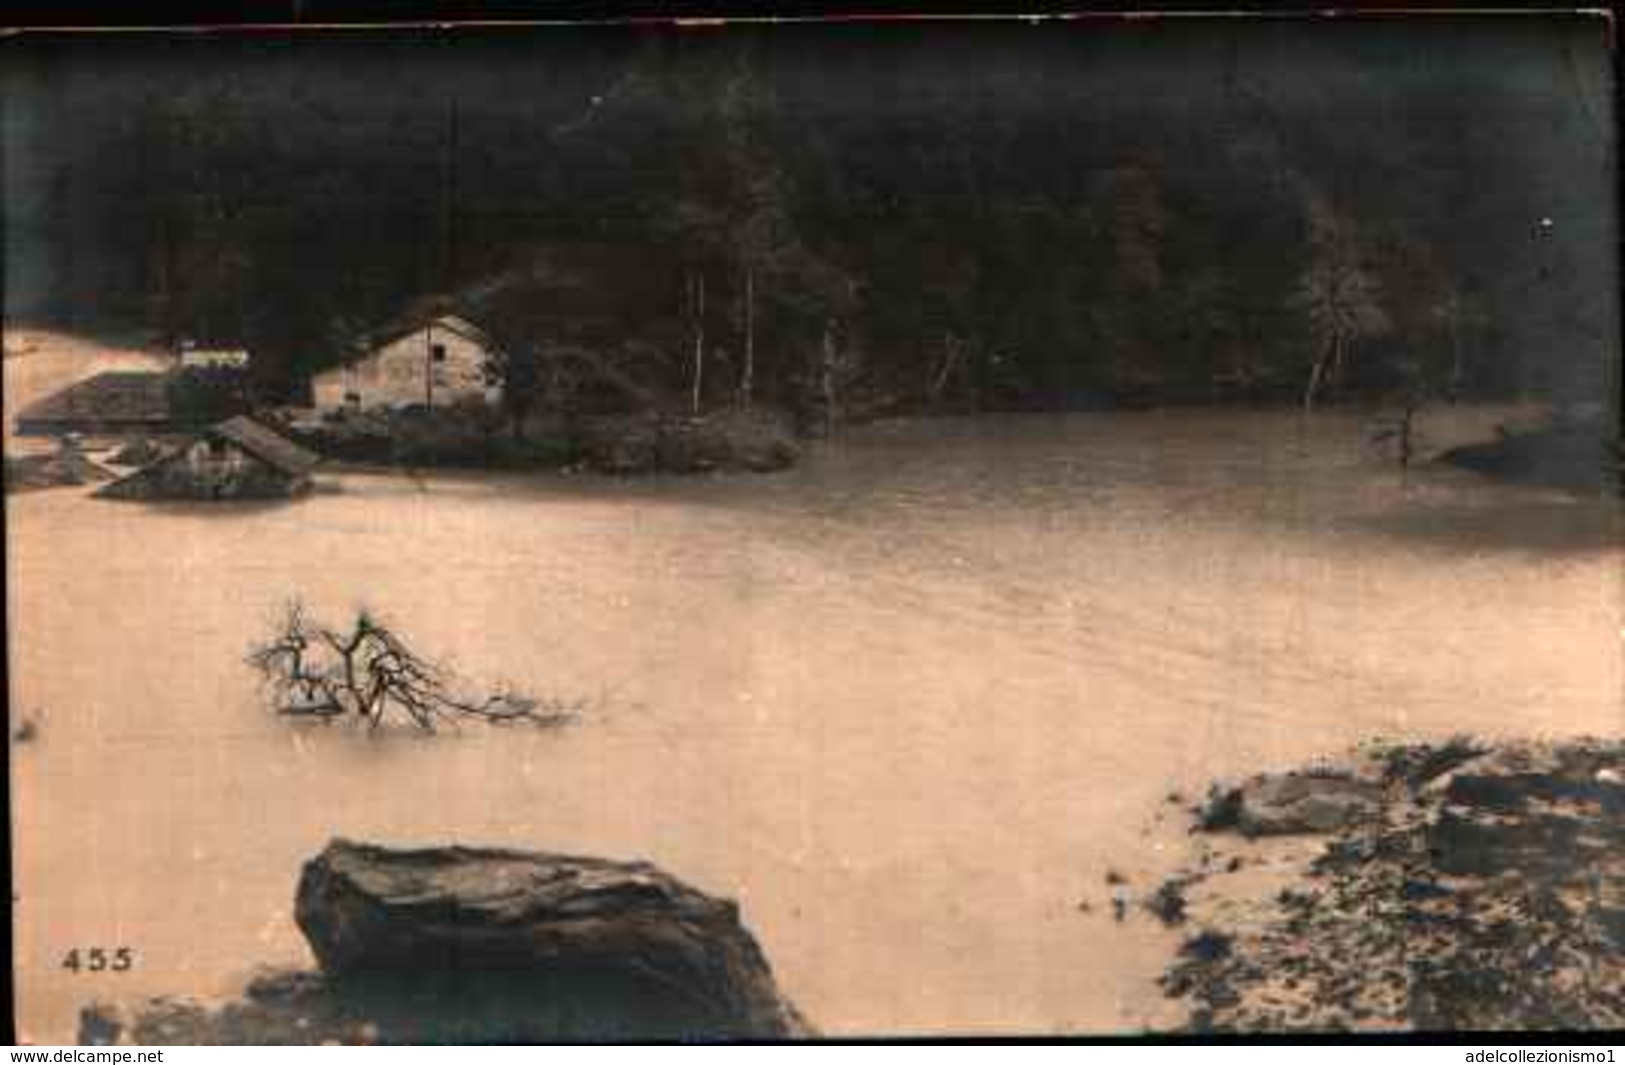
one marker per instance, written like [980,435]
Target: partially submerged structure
[66,466]
[421,361]
[119,401]
[140,403]
[140,451]
[236,459]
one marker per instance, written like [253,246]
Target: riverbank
[1454,886]
[1581,455]
[625,444]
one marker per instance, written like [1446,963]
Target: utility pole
[699,341]
[428,367]
[448,198]
[447,234]
[748,382]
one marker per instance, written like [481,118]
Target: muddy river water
[907,702]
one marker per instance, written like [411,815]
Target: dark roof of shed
[115,396]
[264,444]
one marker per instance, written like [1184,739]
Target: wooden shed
[119,401]
[236,459]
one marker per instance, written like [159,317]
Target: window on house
[217,448]
[437,352]
[353,398]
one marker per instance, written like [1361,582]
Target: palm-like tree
[1338,296]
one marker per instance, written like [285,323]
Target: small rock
[283,986]
[1167,903]
[101,1024]
[1207,946]
[1293,804]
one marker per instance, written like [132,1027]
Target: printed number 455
[98,959]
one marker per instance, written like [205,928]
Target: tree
[1138,220]
[750,281]
[1459,314]
[735,213]
[1337,295]
[201,394]
[1200,315]
[761,235]
[369,673]
[1135,224]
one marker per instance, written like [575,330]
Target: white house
[433,362]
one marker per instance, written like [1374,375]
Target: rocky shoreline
[1462,885]
[1454,886]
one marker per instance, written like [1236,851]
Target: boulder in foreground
[475,945]
[556,945]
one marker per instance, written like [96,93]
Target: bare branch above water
[368,673]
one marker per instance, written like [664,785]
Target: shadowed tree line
[846,220]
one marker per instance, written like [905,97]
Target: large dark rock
[466,945]
[510,945]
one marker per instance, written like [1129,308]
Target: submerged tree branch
[368,672]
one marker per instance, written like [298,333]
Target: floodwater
[908,702]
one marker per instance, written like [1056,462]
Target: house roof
[400,327]
[264,444]
[124,396]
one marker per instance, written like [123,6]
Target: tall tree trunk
[447,267]
[1316,372]
[166,280]
[951,352]
[428,368]
[747,380]
[699,342]
[1406,423]
[1458,364]
[827,386]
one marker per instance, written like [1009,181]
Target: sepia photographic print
[773,530]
